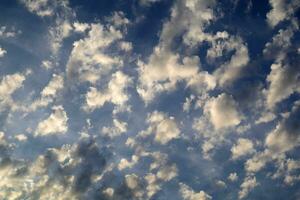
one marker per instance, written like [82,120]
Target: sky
[149,99]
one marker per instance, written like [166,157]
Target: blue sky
[149,99]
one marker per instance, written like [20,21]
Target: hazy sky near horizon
[149,99]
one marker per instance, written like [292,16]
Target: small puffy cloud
[242,148]
[21,137]
[258,161]
[283,81]
[55,84]
[162,126]
[281,10]
[148,2]
[233,177]
[2,52]
[189,194]
[131,181]
[229,71]
[221,184]
[6,33]
[114,93]
[222,111]
[125,46]
[124,163]
[265,118]
[87,61]
[116,130]
[81,27]
[285,136]
[9,84]
[43,8]
[248,185]
[56,123]
[167,173]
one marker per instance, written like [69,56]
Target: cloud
[248,185]
[188,194]
[281,10]
[242,148]
[222,111]
[87,61]
[2,52]
[162,126]
[60,173]
[283,81]
[44,8]
[233,177]
[56,84]
[56,123]
[114,93]
[286,135]
[116,130]
[165,68]
[223,44]
[6,33]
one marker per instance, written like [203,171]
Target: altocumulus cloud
[149,99]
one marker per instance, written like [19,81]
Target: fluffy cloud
[233,177]
[242,148]
[283,81]
[116,130]
[56,123]
[188,194]
[222,111]
[165,68]
[60,173]
[2,52]
[114,93]
[281,10]
[43,8]
[230,70]
[162,126]
[8,32]
[286,135]
[87,61]
[56,84]
[8,85]
[248,185]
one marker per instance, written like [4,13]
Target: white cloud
[162,126]
[283,81]
[87,61]
[124,163]
[21,137]
[248,185]
[5,33]
[230,71]
[116,130]
[222,111]
[9,84]
[131,181]
[44,8]
[114,93]
[281,10]
[233,177]
[148,2]
[167,172]
[258,161]
[242,148]
[188,194]
[2,52]
[55,85]
[56,123]
[164,68]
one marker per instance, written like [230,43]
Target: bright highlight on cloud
[149,99]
